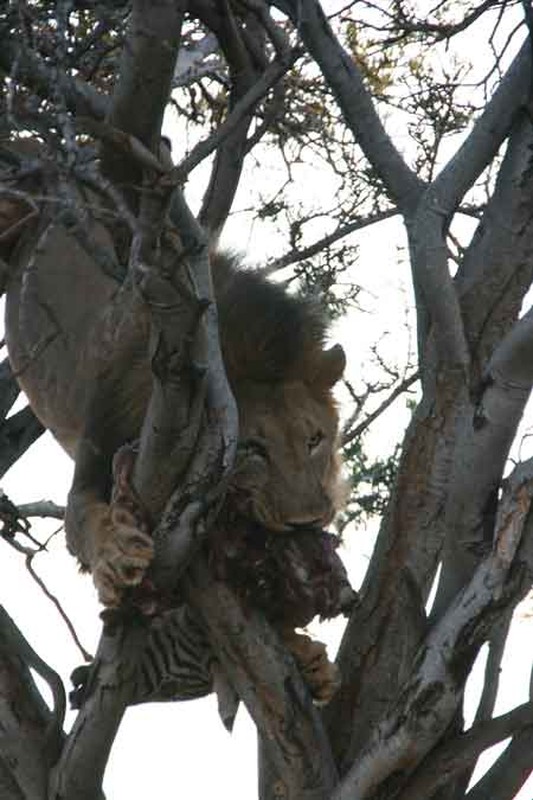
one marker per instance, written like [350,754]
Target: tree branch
[436,296]
[229,157]
[42,508]
[28,67]
[351,433]
[17,434]
[509,773]
[486,136]
[267,681]
[276,69]
[495,274]
[496,270]
[144,84]
[510,365]
[28,727]
[430,698]
[342,75]
[295,255]
[453,757]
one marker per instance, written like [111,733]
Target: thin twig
[349,435]
[29,566]
[269,78]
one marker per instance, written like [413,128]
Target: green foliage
[370,481]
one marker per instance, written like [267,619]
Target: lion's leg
[321,676]
[106,538]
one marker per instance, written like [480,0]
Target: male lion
[81,356]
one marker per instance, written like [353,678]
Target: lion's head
[287,472]
[287,469]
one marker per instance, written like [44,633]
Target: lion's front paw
[320,674]
[123,556]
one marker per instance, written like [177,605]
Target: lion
[78,344]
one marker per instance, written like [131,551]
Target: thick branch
[436,297]
[229,156]
[431,696]
[452,758]
[509,773]
[259,670]
[497,270]
[485,138]
[9,388]
[512,364]
[80,771]
[386,628]
[495,275]
[144,84]
[30,734]
[267,681]
[17,434]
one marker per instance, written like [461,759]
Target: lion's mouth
[252,508]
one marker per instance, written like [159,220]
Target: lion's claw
[122,561]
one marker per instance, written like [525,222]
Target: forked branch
[432,694]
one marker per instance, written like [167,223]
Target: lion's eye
[253,447]
[315,441]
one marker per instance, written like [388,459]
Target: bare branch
[243,47]
[491,680]
[17,434]
[511,363]
[495,274]
[436,297]
[9,389]
[61,611]
[270,686]
[311,250]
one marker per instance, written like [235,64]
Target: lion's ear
[330,366]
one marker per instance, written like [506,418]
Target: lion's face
[287,469]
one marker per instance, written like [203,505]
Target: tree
[287,81]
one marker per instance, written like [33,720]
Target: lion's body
[69,328]
[61,330]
